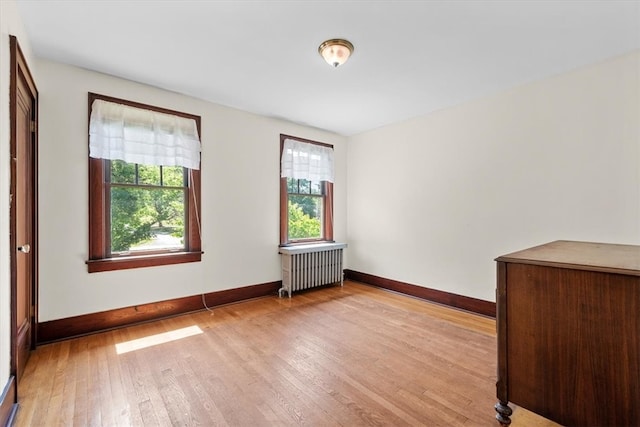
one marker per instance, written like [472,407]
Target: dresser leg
[503,413]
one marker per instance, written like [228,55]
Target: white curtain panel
[302,160]
[135,135]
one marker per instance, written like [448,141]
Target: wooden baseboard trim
[8,404]
[70,327]
[485,308]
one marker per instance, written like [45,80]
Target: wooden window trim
[327,214]
[99,220]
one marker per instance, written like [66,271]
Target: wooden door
[23,99]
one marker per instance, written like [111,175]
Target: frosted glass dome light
[336,51]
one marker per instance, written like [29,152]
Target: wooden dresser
[568,319]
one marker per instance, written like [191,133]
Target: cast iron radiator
[308,266]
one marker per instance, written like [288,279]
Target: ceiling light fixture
[336,51]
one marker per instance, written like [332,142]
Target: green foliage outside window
[305,209]
[130,222]
[145,201]
[301,225]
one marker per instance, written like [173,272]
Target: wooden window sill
[140,261]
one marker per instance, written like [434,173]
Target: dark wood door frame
[19,71]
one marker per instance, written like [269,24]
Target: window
[144,185]
[306,191]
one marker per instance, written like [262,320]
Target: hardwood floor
[347,356]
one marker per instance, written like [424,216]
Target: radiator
[308,266]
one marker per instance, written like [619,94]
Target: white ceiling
[411,57]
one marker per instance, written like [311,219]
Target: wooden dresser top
[606,257]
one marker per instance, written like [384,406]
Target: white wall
[10,24]
[433,200]
[240,202]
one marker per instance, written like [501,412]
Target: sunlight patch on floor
[157,339]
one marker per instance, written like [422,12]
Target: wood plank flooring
[350,356]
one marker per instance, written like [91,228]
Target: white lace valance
[136,135]
[303,160]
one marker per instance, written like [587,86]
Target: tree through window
[305,208]
[147,207]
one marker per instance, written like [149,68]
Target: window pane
[305,217]
[149,174]
[123,172]
[173,176]
[316,187]
[305,186]
[292,185]
[147,219]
